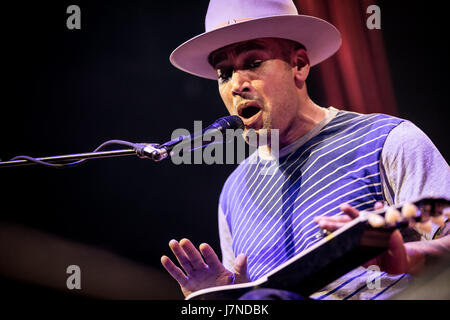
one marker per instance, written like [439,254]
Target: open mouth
[249,111]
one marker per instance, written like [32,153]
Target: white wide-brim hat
[232,21]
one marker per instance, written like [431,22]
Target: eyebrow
[247,46]
[215,58]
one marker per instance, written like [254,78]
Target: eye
[254,64]
[224,74]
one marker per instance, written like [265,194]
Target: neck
[308,116]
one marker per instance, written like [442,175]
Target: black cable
[135,146]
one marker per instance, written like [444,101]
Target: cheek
[278,99]
[273,96]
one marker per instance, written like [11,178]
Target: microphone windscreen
[230,122]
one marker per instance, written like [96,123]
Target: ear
[301,66]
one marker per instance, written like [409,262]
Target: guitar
[339,252]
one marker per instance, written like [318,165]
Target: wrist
[415,260]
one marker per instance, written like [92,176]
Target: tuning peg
[392,215]
[439,220]
[446,212]
[409,210]
[424,226]
[376,221]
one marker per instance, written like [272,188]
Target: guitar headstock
[418,214]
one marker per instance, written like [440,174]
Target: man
[330,162]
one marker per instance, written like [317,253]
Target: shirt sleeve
[225,241]
[412,167]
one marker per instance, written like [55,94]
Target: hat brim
[320,38]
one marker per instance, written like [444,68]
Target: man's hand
[333,223]
[202,269]
[395,260]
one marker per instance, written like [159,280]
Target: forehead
[241,47]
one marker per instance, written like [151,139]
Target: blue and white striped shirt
[269,205]
[266,207]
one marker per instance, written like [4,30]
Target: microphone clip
[152,151]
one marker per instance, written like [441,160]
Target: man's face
[257,83]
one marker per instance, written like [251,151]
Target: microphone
[219,127]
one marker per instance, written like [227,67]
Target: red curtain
[357,77]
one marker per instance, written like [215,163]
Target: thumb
[396,258]
[240,269]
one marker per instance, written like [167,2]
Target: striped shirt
[267,206]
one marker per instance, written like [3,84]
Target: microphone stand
[70,157]
[153,151]
[150,151]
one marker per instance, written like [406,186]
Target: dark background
[67,91]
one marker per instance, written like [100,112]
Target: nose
[240,83]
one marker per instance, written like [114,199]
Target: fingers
[336,222]
[340,218]
[181,256]
[174,271]
[332,223]
[194,256]
[210,256]
[349,210]
[191,259]
[378,205]
[240,269]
